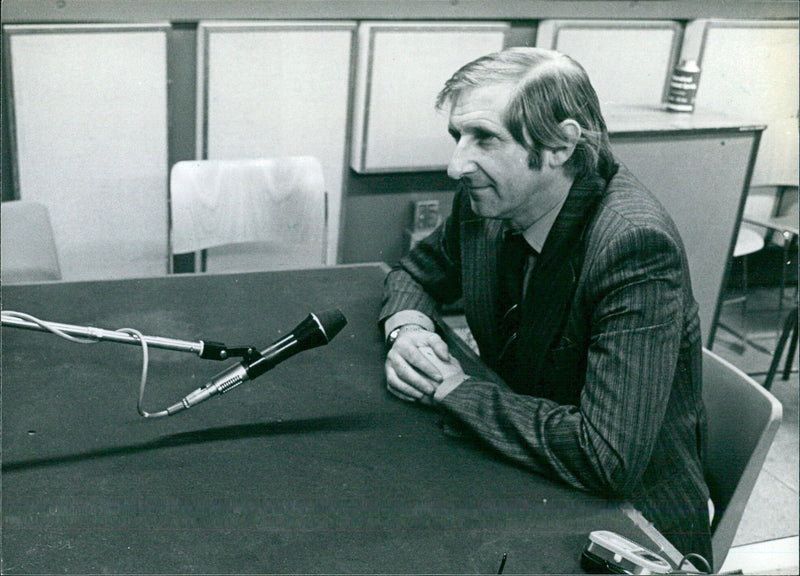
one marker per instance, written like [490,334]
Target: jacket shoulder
[628,204]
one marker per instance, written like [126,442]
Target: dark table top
[311,468]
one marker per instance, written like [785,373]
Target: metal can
[683,87]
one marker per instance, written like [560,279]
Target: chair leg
[787,369]
[744,285]
[789,328]
[783,270]
[741,335]
[744,334]
[788,241]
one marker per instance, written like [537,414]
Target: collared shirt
[536,234]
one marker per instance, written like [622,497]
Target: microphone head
[331,322]
[317,330]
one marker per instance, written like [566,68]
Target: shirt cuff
[448,385]
[404,317]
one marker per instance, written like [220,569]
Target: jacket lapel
[552,284]
[479,262]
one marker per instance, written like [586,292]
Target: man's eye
[484,136]
[456,136]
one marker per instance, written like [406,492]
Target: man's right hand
[417,363]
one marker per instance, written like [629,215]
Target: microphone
[315,330]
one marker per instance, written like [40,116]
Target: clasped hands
[417,364]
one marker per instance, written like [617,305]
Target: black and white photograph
[399,287]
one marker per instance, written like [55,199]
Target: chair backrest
[250,214]
[743,419]
[761,206]
[28,247]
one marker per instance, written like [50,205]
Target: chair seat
[747,242]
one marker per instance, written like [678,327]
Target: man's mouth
[474,187]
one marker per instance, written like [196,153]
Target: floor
[767,539]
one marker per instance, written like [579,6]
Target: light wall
[393,191]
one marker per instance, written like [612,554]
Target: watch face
[396,332]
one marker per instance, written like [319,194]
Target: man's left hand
[417,363]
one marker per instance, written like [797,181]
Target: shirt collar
[537,233]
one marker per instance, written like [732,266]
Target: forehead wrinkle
[484,106]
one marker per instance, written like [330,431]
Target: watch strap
[394,334]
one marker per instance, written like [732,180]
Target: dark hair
[550,87]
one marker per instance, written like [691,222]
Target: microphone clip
[218,351]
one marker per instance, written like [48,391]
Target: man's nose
[460,163]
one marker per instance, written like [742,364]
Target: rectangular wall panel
[402,66]
[751,68]
[272,89]
[628,61]
[89,107]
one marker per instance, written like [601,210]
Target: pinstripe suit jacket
[607,393]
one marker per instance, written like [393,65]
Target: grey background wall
[368,199]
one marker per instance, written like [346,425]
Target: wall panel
[750,68]
[268,89]
[401,68]
[89,107]
[611,51]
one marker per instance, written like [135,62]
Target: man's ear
[571,132]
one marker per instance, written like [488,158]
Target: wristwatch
[390,339]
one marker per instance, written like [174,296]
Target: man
[599,344]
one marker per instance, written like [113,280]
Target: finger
[398,394]
[432,339]
[417,361]
[406,378]
[441,349]
[401,389]
[413,368]
[422,399]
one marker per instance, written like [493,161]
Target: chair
[749,240]
[743,419]
[786,228]
[28,247]
[250,214]
[789,331]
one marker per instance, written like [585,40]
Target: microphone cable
[315,330]
[79,340]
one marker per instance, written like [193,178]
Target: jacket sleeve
[429,275]
[634,296]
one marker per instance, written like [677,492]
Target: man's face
[493,166]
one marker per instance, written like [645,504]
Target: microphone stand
[204,349]
[311,332]
[88,334]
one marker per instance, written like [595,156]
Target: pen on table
[502,563]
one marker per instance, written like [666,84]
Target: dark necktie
[514,256]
